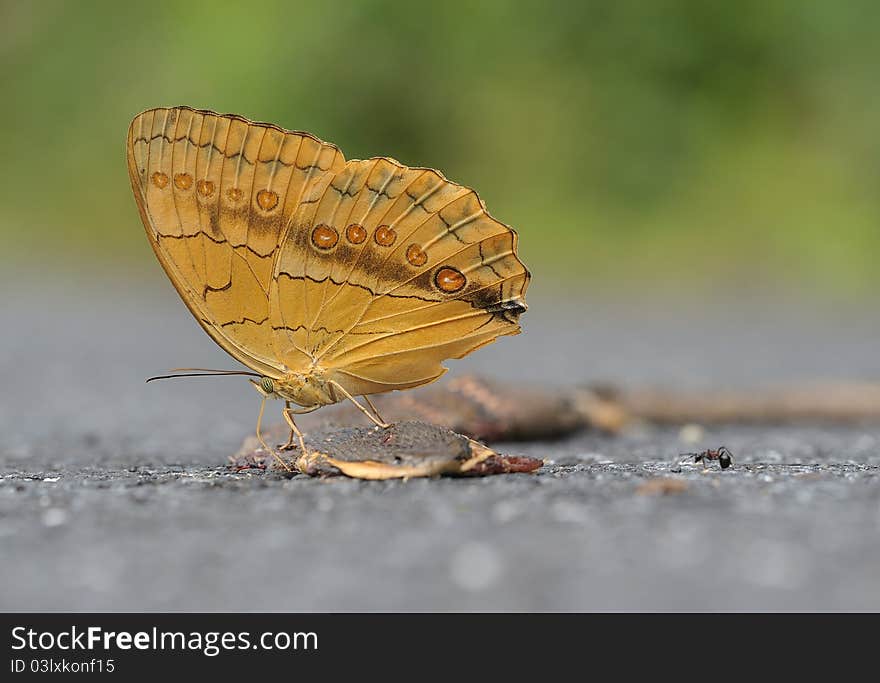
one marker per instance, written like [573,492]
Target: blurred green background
[689,145]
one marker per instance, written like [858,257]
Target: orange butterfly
[329,279]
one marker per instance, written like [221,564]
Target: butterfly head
[265,386]
[305,389]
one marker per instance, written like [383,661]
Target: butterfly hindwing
[392,270]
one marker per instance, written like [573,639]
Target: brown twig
[822,402]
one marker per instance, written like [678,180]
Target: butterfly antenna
[201,372]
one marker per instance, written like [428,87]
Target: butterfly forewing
[216,194]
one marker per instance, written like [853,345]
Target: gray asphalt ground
[114,494]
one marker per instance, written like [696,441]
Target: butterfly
[329,279]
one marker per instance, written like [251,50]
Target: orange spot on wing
[385,236]
[160,179]
[415,255]
[355,233]
[267,200]
[183,181]
[449,280]
[234,194]
[205,188]
[324,237]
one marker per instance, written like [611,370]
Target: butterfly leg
[375,410]
[263,441]
[377,419]
[289,445]
[288,417]
[288,410]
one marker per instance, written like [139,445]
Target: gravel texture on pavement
[114,495]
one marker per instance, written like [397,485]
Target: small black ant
[722,455]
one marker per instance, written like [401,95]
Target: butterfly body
[329,278]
